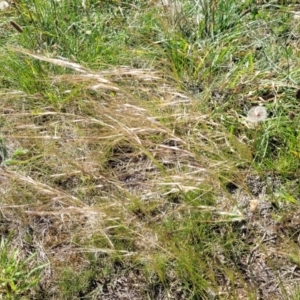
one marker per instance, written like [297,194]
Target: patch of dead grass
[104,171]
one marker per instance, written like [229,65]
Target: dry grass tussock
[100,168]
[173,179]
[123,155]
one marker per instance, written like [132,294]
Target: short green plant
[17,276]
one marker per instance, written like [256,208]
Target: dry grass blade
[88,74]
[86,78]
[56,61]
[107,251]
[55,194]
[141,74]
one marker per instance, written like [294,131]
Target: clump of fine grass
[127,155]
[18,275]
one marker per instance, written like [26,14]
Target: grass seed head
[257,114]
[4,5]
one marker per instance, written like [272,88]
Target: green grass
[127,157]
[18,275]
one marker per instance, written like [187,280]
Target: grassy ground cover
[130,166]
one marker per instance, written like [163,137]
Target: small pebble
[253,205]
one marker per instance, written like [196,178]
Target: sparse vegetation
[129,169]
